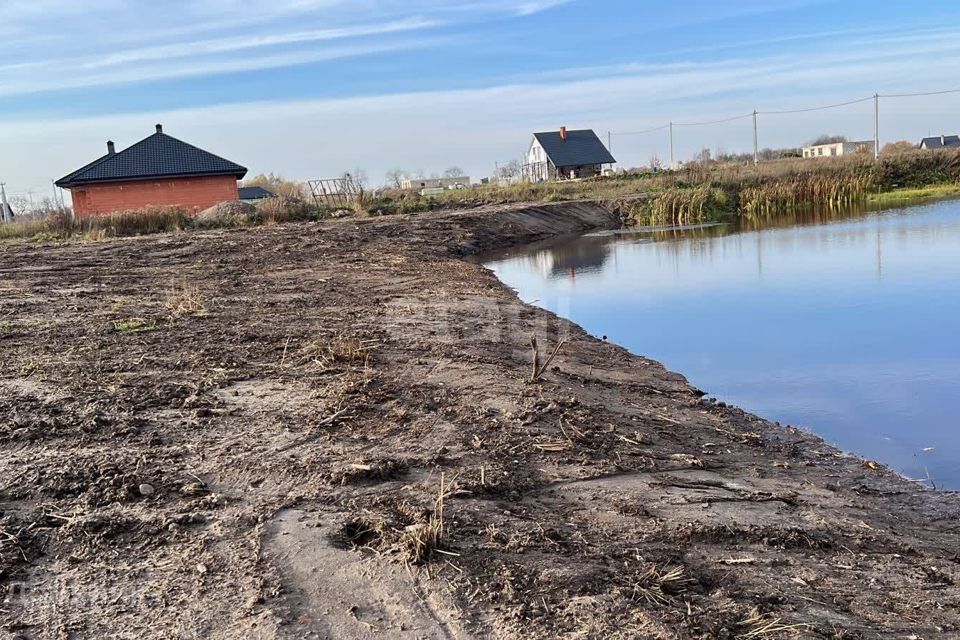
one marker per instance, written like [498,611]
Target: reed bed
[805,190]
[696,205]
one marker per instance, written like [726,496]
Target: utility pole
[756,140]
[609,142]
[3,202]
[876,126]
[671,146]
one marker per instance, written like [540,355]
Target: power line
[911,95]
[821,108]
[721,121]
[638,133]
[875,98]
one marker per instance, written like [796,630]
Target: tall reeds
[804,190]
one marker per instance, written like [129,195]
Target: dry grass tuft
[136,325]
[341,349]
[186,300]
[419,542]
[766,625]
[657,588]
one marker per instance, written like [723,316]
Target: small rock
[201,568]
[146,489]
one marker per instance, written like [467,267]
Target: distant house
[157,171]
[940,142]
[839,149]
[456,182]
[253,194]
[566,154]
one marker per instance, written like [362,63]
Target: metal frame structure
[335,192]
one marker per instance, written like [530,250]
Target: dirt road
[330,431]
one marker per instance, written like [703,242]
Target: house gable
[580,148]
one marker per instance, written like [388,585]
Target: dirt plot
[330,430]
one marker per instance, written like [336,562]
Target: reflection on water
[845,326]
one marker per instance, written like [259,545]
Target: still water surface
[847,327]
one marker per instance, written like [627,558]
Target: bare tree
[454,172]
[278,185]
[510,170]
[828,139]
[396,176]
[900,146]
[358,177]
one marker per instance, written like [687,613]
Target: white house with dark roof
[566,155]
[940,142]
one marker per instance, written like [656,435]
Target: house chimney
[563,134]
[110,148]
[159,128]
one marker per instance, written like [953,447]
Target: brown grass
[185,300]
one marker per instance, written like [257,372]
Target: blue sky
[310,88]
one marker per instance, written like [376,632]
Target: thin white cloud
[211,37]
[256,41]
[536,6]
[161,70]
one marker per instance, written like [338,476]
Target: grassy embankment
[705,193]
[693,195]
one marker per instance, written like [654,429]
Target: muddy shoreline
[244,433]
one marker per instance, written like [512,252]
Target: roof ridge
[192,146]
[159,155]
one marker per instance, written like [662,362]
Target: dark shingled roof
[936,143]
[254,193]
[582,147]
[159,156]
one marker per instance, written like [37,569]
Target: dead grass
[136,325]
[657,587]
[766,625]
[62,225]
[185,300]
[419,542]
[341,349]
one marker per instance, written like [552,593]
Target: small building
[834,149]
[253,194]
[157,171]
[457,182]
[940,142]
[562,155]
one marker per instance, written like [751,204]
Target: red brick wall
[195,194]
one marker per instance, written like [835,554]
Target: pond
[847,327]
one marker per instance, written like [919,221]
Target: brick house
[157,171]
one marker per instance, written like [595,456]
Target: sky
[312,88]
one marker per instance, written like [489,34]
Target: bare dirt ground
[330,431]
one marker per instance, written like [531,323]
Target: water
[848,327]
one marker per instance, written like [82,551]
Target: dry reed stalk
[538,370]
